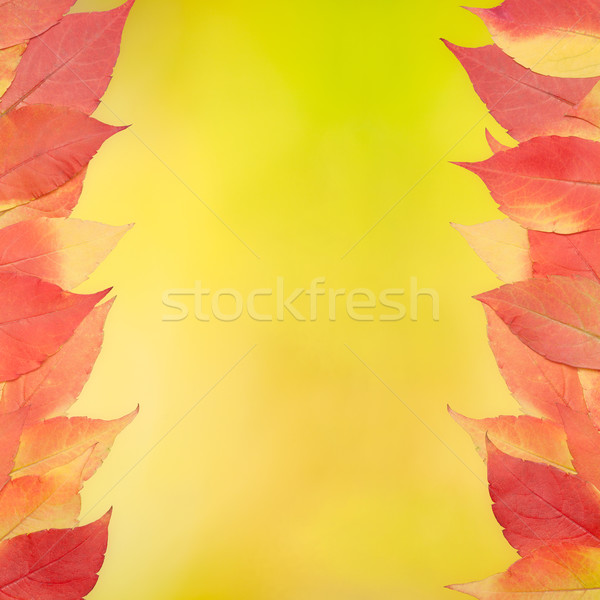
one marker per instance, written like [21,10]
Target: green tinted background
[324,465]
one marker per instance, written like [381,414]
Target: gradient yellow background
[324,465]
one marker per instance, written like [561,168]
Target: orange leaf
[51,500]
[53,443]
[537,440]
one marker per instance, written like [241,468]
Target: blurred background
[293,460]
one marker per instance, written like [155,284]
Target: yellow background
[324,466]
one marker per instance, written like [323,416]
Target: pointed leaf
[537,440]
[61,251]
[536,383]
[71,64]
[494,144]
[9,61]
[51,500]
[526,104]
[552,316]
[11,428]
[58,203]
[564,572]
[584,444]
[540,505]
[36,319]
[55,442]
[574,254]
[53,565]
[552,37]
[45,147]
[23,19]
[544,184]
[502,245]
[50,390]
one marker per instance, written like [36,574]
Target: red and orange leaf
[583,439]
[494,144]
[52,500]
[24,19]
[57,203]
[70,64]
[61,251]
[537,384]
[53,565]
[590,383]
[55,442]
[9,61]
[552,37]
[552,316]
[53,388]
[36,319]
[547,184]
[538,504]
[502,245]
[526,104]
[45,147]
[569,255]
[563,572]
[11,428]
[529,438]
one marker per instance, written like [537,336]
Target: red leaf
[537,384]
[539,505]
[36,319]
[545,183]
[53,565]
[57,203]
[11,428]
[575,254]
[24,19]
[526,104]
[494,144]
[70,64]
[44,148]
[552,316]
[50,390]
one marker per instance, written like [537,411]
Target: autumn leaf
[37,318]
[54,564]
[552,37]
[526,437]
[55,442]
[70,64]
[61,251]
[494,144]
[538,504]
[45,147]
[503,246]
[563,572]
[538,384]
[575,254]
[53,388]
[552,317]
[543,184]
[526,104]
[25,19]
